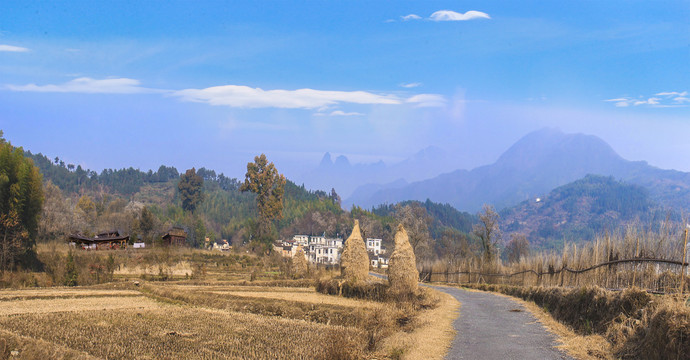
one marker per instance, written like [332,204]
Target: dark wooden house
[175,236]
[110,240]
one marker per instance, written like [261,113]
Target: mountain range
[533,166]
[343,176]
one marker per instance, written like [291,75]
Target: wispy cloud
[660,100]
[248,97]
[239,96]
[410,17]
[672,93]
[89,86]
[449,15]
[339,113]
[427,100]
[11,48]
[446,15]
[410,85]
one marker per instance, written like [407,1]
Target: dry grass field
[171,303]
[129,324]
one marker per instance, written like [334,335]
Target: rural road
[495,327]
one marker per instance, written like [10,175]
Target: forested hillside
[577,211]
[146,204]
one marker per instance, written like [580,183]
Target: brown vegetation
[402,266]
[251,297]
[354,260]
[182,333]
[431,336]
[300,267]
[649,260]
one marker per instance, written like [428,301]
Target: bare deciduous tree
[517,247]
[454,246]
[488,232]
[416,221]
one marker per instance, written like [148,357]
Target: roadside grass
[432,336]
[584,347]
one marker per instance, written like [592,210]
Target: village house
[110,240]
[374,246]
[317,249]
[377,261]
[302,240]
[376,252]
[175,236]
[222,245]
[324,250]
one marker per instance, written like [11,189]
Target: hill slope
[577,211]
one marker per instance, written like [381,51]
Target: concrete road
[491,327]
[495,327]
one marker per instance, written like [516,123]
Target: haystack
[354,262]
[299,263]
[402,266]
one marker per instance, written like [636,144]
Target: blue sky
[193,83]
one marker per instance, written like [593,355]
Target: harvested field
[311,297]
[182,268]
[182,333]
[197,319]
[39,306]
[24,347]
[7,295]
[237,288]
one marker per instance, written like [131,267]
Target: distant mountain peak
[538,146]
[342,161]
[429,152]
[326,161]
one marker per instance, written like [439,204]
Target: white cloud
[667,99]
[339,113]
[11,48]
[410,17]
[410,85]
[324,101]
[672,93]
[247,97]
[448,15]
[89,86]
[427,100]
[342,113]
[617,99]
[650,101]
